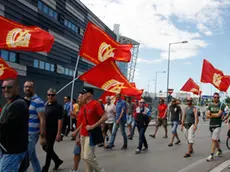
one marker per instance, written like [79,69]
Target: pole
[72,89]
[168,75]
[156,86]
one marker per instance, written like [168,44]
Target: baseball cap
[87,90]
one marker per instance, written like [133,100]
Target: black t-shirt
[53,113]
[175,112]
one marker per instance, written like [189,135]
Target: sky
[204,24]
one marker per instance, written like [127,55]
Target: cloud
[203,29]
[187,63]
[150,22]
[145,61]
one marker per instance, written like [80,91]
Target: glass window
[76,29]
[66,22]
[45,9]
[42,65]
[5,55]
[39,5]
[73,27]
[35,63]
[70,72]
[69,24]
[66,71]
[55,15]
[52,67]
[12,57]
[51,12]
[47,67]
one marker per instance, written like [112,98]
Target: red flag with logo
[97,46]
[15,36]
[108,77]
[214,76]
[6,71]
[191,86]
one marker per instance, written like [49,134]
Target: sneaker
[138,151]
[57,165]
[170,144]
[144,149]
[229,166]
[218,153]
[108,147]
[74,170]
[210,158]
[124,147]
[178,142]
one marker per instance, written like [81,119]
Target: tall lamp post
[156,81]
[182,42]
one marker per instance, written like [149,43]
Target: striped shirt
[36,106]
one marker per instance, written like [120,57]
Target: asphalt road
[159,157]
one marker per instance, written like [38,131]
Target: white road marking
[189,167]
[221,167]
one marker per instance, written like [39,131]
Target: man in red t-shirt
[162,118]
[92,116]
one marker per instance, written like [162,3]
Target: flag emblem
[2,68]
[105,51]
[113,86]
[217,79]
[18,38]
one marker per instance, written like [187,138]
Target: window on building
[52,67]
[12,57]
[70,72]
[81,32]
[5,55]
[66,71]
[66,22]
[47,66]
[35,63]
[41,65]
[71,26]
[47,10]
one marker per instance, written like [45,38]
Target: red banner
[214,76]
[15,36]
[6,71]
[191,86]
[108,77]
[97,46]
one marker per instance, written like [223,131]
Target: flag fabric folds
[6,71]
[108,77]
[214,76]
[97,46]
[15,36]
[191,86]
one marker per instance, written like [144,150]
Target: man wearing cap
[93,116]
[121,109]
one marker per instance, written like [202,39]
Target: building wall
[66,20]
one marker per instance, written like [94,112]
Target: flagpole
[72,89]
[199,95]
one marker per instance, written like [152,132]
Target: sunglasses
[52,95]
[189,100]
[142,102]
[216,97]
[7,87]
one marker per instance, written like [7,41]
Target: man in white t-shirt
[110,110]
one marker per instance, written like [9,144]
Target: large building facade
[66,20]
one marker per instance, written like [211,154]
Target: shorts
[129,119]
[161,122]
[77,149]
[190,134]
[215,132]
[174,126]
[106,127]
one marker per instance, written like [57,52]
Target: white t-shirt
[110,111]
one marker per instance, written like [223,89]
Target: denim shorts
[174,126]
[77,149]
[129,119]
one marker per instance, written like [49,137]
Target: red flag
[108,77]
[133,84]
[6,71]
[191,86]
[97,46]
[214,76]
[15,36]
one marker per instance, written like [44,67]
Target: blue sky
[156,23]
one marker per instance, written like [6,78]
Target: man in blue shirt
[36,122]
[120,121]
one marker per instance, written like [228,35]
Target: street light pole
[182,42]
[156,81]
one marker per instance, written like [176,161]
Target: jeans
[49,149]
[114,133]
[174,126]
[134,124]
[142,139]
[66,123]
[33,139]
[11,162]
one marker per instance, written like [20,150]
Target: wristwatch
[42,135]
